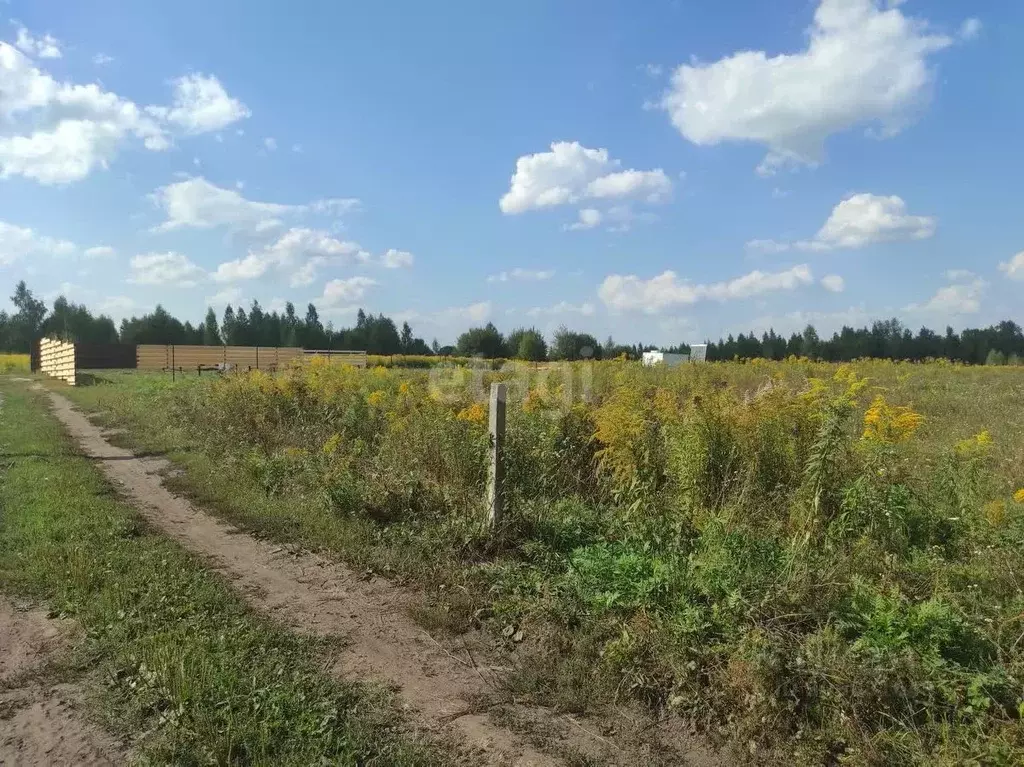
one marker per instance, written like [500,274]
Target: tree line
[378,334]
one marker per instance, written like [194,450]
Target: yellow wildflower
[976,445]
[995,512]
[404,388]
[331,445]
[1019,496]
[376,398]
[475,413]
[890,424]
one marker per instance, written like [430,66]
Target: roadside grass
[820,560]
[176,662]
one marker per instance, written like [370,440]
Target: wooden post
[496,465]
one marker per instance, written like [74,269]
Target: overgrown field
[173,660]
[14,363]
[808,560]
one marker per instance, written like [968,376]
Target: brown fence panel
[343,357]
[105,356]
[186,357]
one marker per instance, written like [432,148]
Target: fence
[198,358]
[349,358]
[57,359]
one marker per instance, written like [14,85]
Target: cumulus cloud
[201,105]
[963,296]
[196,203]
[865,64]
[17,242]
[525,275]
[100,251]
[168,268]
[588,218]
[58,132]
[858,221]
[833,283]
[229,296]
[571,172]
[1014,268]
[396,259]
[340,292]
[299,249]
[631,293]
[45,47]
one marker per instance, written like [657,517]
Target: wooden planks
[179,357]
[345,357]
[57,359]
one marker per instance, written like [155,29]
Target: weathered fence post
[496,464]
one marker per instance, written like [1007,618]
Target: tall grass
[14,363]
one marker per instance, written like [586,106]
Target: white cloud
[833,283]
[17,242]
[341,292]
[865,64]
[229,296]
[270,144]
[1014,268]
[197,203]
[116,307]
[100,251]
[961,297]
[571,172]
[970,29]
[297,148]
[630,293]
[299,249]
[337,206]
[586,309]
[527,275]
[102,59]
[588,219]
[958,275]
[164,269]
[653,70]
[396,259]
[45,47]
[858,221]
[201,105]
[59,132]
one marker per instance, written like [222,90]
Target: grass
[168,650]
[825,561]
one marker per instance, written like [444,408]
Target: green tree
[211,333]
[527,344]
[485,342]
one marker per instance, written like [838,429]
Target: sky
[664,172]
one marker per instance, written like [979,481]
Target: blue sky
[662,172]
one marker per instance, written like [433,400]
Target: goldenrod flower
[1019,496]
[475,413]
[889,424]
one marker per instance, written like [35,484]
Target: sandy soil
[39,721]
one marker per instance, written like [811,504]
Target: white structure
[698,352]
[663,358]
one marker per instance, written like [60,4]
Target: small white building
[664,358]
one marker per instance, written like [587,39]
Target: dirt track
[445,693]
[39,721]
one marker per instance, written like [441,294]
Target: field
[803,560]
[14,363]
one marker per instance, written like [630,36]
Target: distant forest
[377,334]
